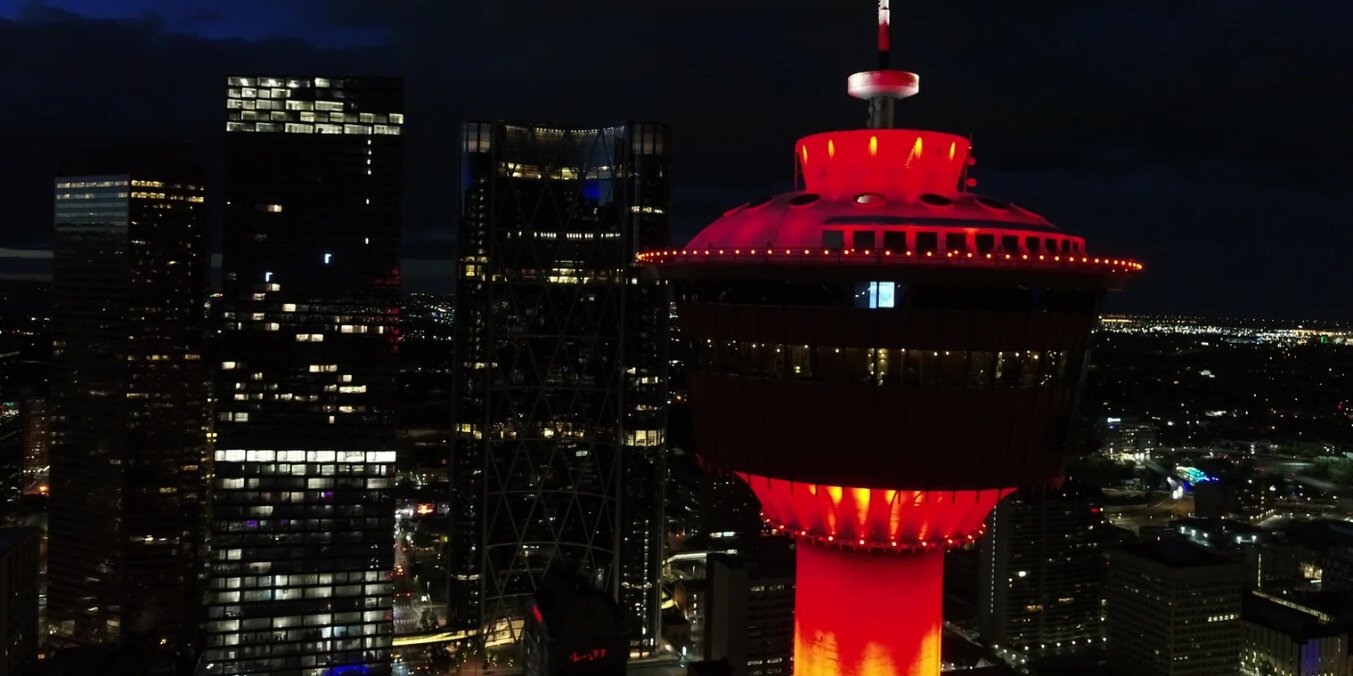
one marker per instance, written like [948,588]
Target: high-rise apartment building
[560,394]
[1173,609]
[1041,575]
[128,400]
[302,519]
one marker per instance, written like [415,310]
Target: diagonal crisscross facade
[560,392]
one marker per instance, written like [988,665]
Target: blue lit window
[328,258]
[882,294]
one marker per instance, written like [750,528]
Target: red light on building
[589,656]
[872,517]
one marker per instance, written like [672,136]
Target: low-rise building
[1292,637]
[1173,609]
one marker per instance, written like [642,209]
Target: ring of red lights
[874,546]
[887,256]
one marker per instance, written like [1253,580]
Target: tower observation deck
[882,355]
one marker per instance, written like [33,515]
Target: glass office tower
[129,401]
[302,519]
[560,399]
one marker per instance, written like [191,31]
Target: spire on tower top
[883,86]
[883,34]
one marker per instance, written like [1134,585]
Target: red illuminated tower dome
[882,356]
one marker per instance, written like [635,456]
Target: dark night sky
[1210,138]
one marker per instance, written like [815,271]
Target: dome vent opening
[991,203]
[805,199]
[936,200]
[869,199]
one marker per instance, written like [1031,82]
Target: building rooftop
[1175,554]
[1300,619]
[1221,533]
[568,605]
[1321,534]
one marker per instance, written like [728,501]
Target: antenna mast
[883,87]
[884,30]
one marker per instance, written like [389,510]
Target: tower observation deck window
[985,243]
[833,239]
[862,239]
[887,366]
[800,362]
[980,366]
[953,367]
[927,242]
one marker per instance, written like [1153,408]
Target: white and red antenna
[884,86]
[884,31]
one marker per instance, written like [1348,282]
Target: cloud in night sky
[1197,135]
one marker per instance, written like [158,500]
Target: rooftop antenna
[883,87]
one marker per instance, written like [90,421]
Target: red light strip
[866,545]
[874,519]
[889,256]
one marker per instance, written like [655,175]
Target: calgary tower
[882,355]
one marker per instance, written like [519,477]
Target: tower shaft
[860,613]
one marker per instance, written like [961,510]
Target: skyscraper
[1173,608]
[128,400]
[560,387]
[18,598]
[302,514]
[1041,579]
[882,355]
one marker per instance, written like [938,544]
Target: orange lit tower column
[882,356]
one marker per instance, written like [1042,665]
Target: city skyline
[1161,127]
[538,339]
